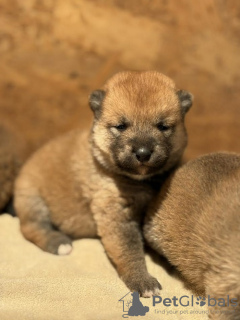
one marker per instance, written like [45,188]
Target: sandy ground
[54,52]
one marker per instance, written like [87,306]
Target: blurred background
[54,52]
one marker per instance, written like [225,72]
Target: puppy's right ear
[95,101]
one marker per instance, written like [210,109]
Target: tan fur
[195,223]
[80,185]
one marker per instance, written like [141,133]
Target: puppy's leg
[121,237]
[36,225]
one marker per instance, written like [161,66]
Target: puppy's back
[195,223]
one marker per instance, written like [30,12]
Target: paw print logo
[201,301]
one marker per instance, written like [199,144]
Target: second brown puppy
[195,223]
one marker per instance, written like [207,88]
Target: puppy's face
[139,124]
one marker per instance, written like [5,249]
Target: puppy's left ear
[95,101]
[186,100]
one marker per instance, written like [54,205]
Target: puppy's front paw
[146,285]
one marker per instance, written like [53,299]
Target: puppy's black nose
[143,154]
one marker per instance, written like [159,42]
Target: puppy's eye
[163,127]
[121,127]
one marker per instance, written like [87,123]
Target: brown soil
[54,52]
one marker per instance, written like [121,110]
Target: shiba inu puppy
[195,223]
[99,183]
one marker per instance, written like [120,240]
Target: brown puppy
[83,185]
[195,223]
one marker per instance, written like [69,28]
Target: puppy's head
[139,128]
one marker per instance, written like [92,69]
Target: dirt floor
[54,52]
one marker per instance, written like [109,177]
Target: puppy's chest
[137,197]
